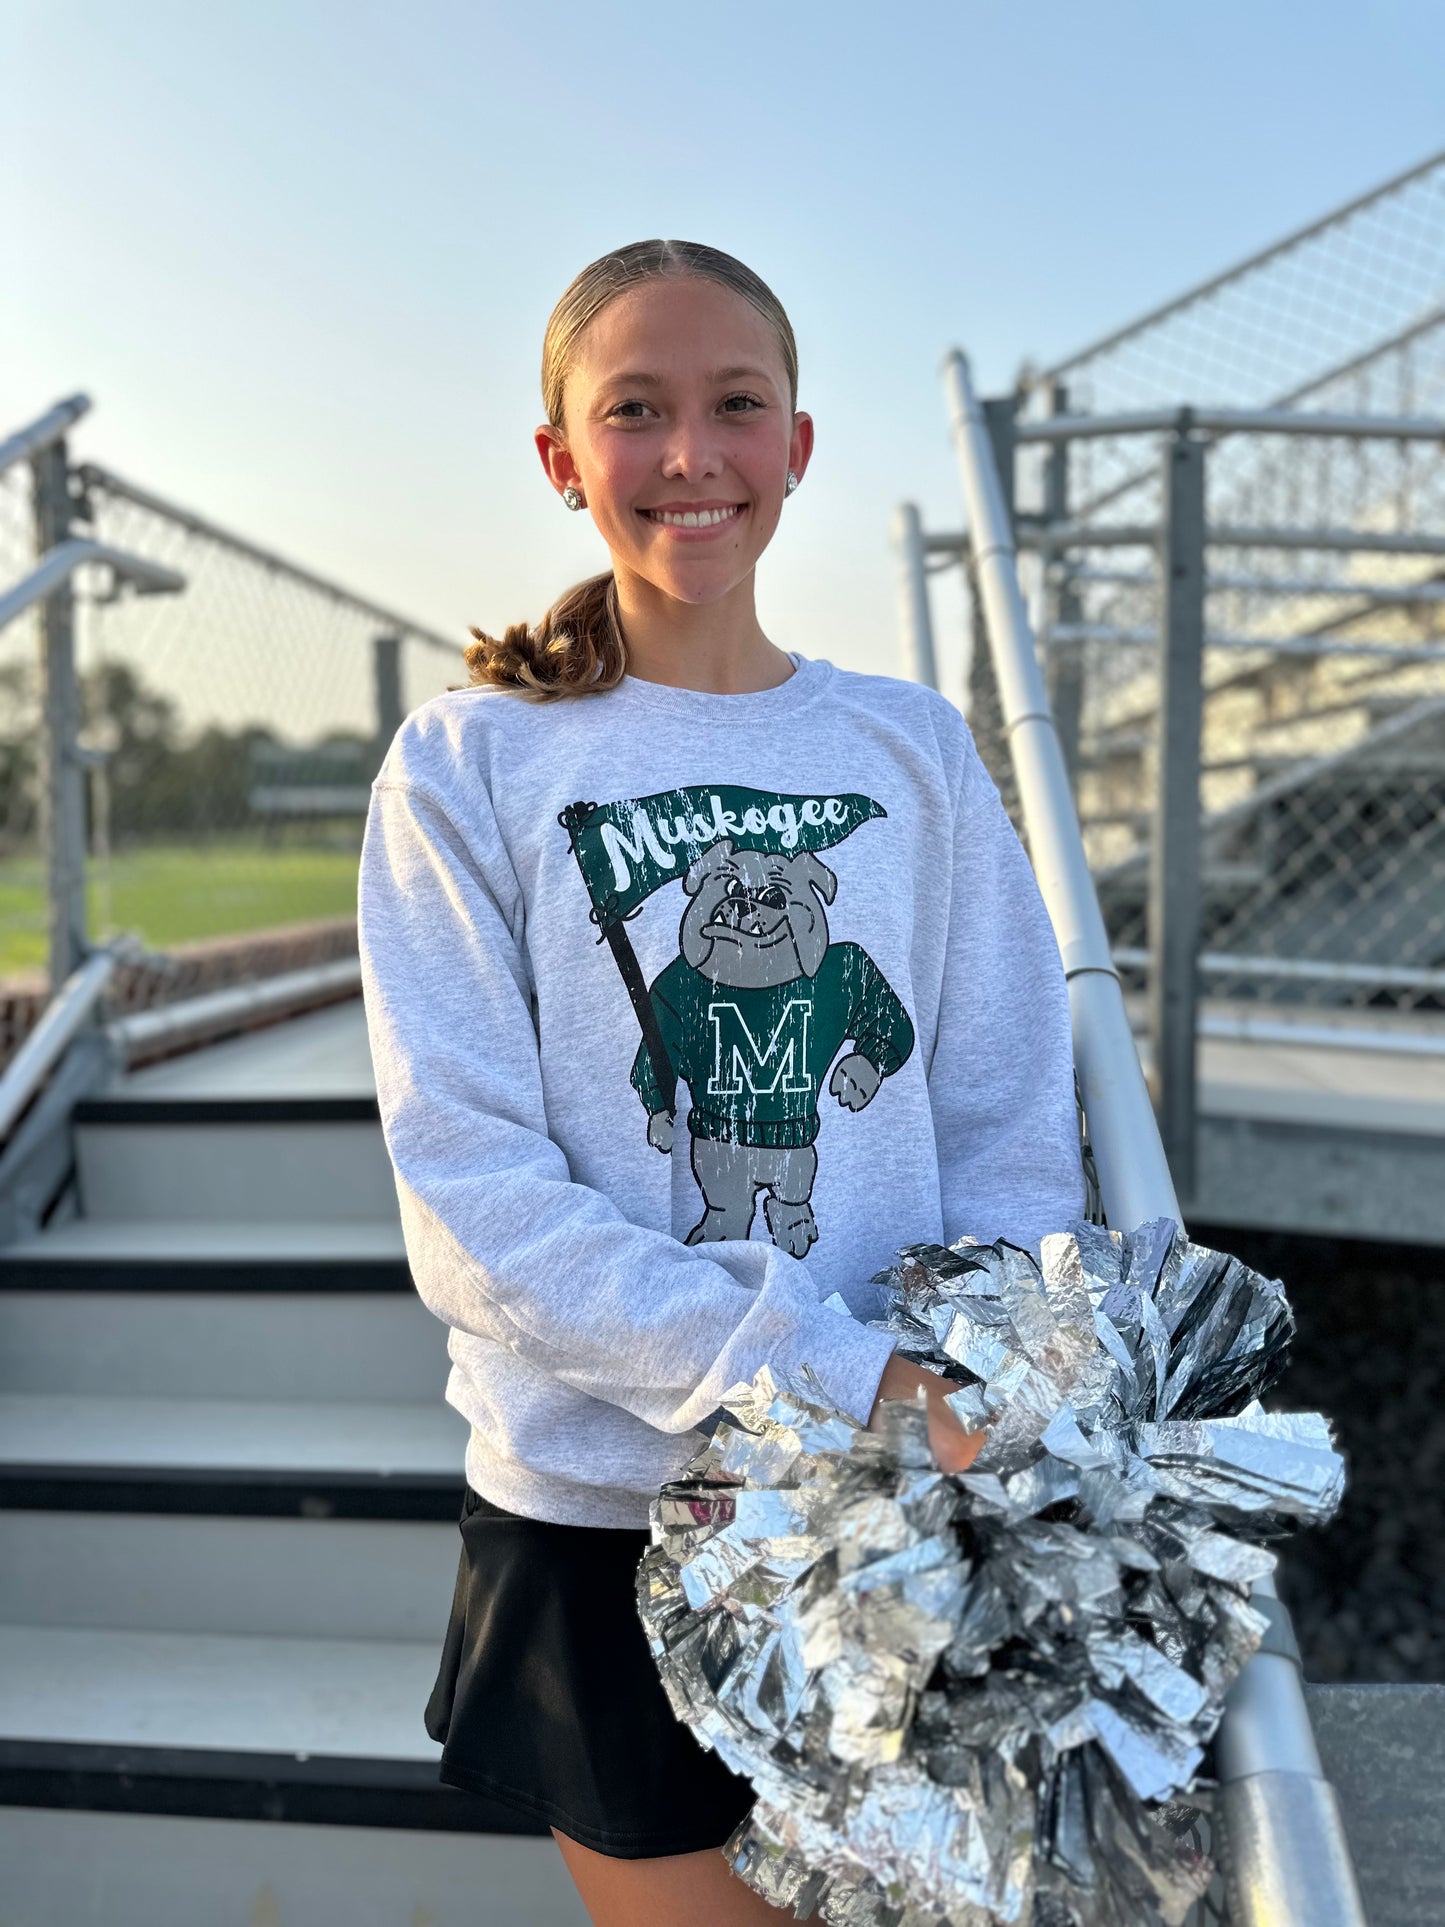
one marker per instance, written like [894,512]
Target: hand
[659,1131]
[954,1449]
[855,1080]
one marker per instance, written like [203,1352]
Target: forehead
[678,327]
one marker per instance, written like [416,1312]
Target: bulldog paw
[793,1226]
[855,1081]
[659,1131]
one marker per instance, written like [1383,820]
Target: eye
[629,411]
[735,887]
[773,899]
[742,404]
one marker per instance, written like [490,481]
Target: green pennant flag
[627,850]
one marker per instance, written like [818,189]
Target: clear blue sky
[301,253]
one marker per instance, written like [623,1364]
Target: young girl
[700,976]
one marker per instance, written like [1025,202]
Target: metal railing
[1286,1859]
[189,725]
[1312,600]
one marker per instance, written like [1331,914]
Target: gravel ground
[1367,1594]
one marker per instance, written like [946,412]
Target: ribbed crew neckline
[809,678]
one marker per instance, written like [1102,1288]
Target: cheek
[615,476]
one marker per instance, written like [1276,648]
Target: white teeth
[691,518]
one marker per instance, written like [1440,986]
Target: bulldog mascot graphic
[754,1011]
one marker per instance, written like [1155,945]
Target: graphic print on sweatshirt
[757,1005]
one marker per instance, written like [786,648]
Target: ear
[702,867]
[557,460]
[800,444]
[819,875]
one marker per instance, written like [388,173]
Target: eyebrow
[638,378]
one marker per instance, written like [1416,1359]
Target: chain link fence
[1323,743]
[229,733]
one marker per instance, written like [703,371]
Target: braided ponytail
[578,648]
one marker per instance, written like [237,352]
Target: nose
[693,452]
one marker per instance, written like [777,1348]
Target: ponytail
[575,650]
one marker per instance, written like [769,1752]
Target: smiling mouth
[701,518]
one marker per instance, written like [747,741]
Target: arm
[502,1243]
[1001,1081]
[882,1034]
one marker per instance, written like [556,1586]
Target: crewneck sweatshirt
[686,1012]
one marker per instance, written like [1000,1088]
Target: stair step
[123,1869]
[143,1164]
[317,1460]
[234,1253]
[217,1692]
[95,1441]
[322,1053]
[291,1578]
[210,1344]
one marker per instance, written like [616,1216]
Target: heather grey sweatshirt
[686,1012]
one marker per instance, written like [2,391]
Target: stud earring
[792,482]
[572,498]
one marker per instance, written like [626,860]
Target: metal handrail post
[1174,851]
[386,682]
[1289,1864]
[62,789]
[915,614]
[1064,670]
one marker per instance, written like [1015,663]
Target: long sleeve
[1001,1082]
[503,1243]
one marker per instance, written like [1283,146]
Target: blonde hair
[578,648]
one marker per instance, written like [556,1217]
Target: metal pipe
[1281,1820]
[1072,632]
[193,1019]
[1311,970]
[105,479]
[1431,589]
[61,1019]
[915,615]
[1174,846]
[61,562]
[42,432]
[1233,421]
[1358,1037]
[1133,1172]
[1220,535]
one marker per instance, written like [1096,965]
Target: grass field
[171,893]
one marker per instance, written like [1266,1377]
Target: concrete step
[351,1346]
[242,1666]
[287,1578]
[203,1159]
[86,1450]
[66,1868]
[192,1254]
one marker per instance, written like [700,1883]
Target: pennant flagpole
[613,927]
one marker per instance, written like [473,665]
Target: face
[678,433]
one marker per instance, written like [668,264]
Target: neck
[718,648]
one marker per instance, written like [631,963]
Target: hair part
[578,647]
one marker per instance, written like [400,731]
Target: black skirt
[548,1700]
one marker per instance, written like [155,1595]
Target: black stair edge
[193,1782]
[33,1273]
[203,1491]
[120,1108]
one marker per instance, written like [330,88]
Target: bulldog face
[755,919]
